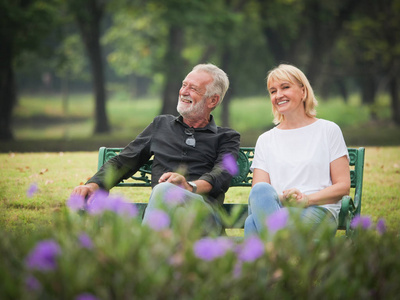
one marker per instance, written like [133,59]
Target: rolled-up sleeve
[219,177]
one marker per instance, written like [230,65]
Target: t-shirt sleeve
[260,155]
[336,141]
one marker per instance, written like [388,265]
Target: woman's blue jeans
[264,201]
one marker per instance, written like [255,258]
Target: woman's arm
[260,176]
[340,187]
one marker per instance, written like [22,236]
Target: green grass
[57,173]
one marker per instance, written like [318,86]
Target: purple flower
[86,296]
[381,226]
[102,202]
[31,190]
[158,220]
[43,256]
[209,249]
[98,203]
[85,241]
[32,283]
[76,202]
[175,196]
[229,164]
[121,207]
[277,220]
[251,249]
[364,222]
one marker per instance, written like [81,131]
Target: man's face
[191,101]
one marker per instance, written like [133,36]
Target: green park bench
[351,205]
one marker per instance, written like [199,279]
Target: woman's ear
[304,94]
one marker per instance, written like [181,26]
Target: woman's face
[287,97]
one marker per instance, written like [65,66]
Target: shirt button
[184,153]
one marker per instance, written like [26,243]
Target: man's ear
[213,101]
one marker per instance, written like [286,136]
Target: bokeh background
[78,74]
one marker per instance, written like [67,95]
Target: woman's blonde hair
[292,74]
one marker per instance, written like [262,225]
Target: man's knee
[162,187]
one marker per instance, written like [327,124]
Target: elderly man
[188,150]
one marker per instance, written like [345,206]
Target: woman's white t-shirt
[300,158]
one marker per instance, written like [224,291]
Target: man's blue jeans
[264,201]
[162,191]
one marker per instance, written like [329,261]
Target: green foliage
[137,37]
[110,256]
[70,59]
[27,22]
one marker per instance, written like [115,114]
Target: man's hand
[175,178]
[86,190]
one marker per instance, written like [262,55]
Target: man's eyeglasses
[190,141]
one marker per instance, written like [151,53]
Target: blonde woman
[302,160]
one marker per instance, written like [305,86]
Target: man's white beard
[193,110]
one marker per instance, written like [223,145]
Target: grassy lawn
[57,173]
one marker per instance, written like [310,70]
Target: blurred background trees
[147,47]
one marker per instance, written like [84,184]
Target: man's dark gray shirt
[165,138]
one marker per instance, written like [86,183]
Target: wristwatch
[193,185]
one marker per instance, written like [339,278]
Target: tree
[70,62]
[305,32]
[23,24]
[88,15]
[374,39]
[148,51]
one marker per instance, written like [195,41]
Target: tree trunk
[394,93]
[368,93]
[65,94]
[174,72]
[89,16]
[7,87]
[341,85]
[226,62]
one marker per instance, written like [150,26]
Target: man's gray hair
[220,83]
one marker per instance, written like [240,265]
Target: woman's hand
[294,197]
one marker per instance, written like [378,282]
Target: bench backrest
[244,178]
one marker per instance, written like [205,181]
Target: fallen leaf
[49,181]
[43,171]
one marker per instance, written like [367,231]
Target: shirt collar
[211,126]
